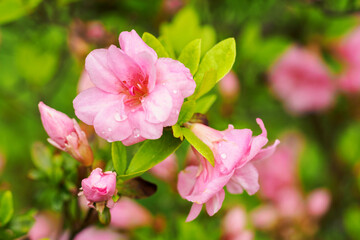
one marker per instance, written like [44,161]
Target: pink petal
[214,204]
[266,152]
[158,105]
[144,128]
[244,178]
[132,45]
[194,212]
[91,101]
[186,180]
[96,64]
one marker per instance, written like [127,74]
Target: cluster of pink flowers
[235,151]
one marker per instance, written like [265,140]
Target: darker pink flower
[302,81]
[136,94]
[65,134]
[99,186]
[234,151]
[349,52]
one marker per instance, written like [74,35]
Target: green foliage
[6,208]
[204,104]
[155,44]
[11,10]
[207,83]
[199,145]
[190,55]
[348,144]
[186,112]
[151,153]
[351,221]
[119,157]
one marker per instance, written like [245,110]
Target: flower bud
[99,188]
[65,134]
[318,202]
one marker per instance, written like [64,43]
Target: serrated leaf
[199,145]
[155,44]
[208,82]
[220,58]
[151,153]
[186,112]
[190,55]
[119,157]
[204,104]
[6,208]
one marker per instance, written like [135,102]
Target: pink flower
[47,225]
[318,202]
[166,170]
[302,81]
[229,86]
[234,151]
[234,221]
[135,94]
[94,233]
[84,82]
[127,215]
[65,134]
[349,52]
[265,217]
[99,186]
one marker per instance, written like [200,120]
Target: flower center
[136,90]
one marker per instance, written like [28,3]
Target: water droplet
[223,155]
[175,91]
[163,84]
[177,111]
[103,132]
[109,129]
[120,117]
[136,133]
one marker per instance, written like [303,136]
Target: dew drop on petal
[109,129]
[223,155]
[136,133]
[177,112]
[175,91]
[120,117]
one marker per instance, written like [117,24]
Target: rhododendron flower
[65,134]
[318,202]
[136,94]
[302,81]
[94,233]
[84,82]
[47,225]
[234,225]
[349,52]
[127,215]
[234,151]
[99,187]
[166,170]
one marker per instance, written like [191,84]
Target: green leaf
[190,55]
[177,131]
[137,188]
[41,156]
[208,82]
[151,153]
[11,10]
[119,157]
[155,44]
[199,145]
[204,104]
[6,208]
[21,225]
[186,112]
[351,221]
[220,58]
[347,146]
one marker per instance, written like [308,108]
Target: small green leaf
[151,153]
[190,55]
[204,104]
[177,131]
[220,58]
[6,208]
[155,44]
[208,82]
[199,145]
[21,225]
[186,112]
[119,157]
[41,157]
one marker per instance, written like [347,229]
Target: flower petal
[144,128]
[91,101]
[194,212]
[186,180]
[214,204]
[96,64]
[266,152]
[246,178]
[157,105]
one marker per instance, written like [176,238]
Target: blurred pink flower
[65,134]
[95,233]
[302,81]
[166,170]
[318,202]
[234,221]
[84,82]
[349,52]
[234,150]
[99,187]
[127,215]
[135,94]
[264,217]
[229,86]
[47,225]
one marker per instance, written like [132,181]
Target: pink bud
[302,81]
[166,170]
[94,233]
[234,221]
[99,186]
[127,215]
[65,134]
[47,225]
[318,202]
[229,86]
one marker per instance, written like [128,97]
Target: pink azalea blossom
[84,82]
[229,86]
[127,215]
[302,81]
[95,233]
[348,51]
[65,134]
[47,225]
[166,170]
[234,151]
[318,202]
[99,187]
[136,94]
